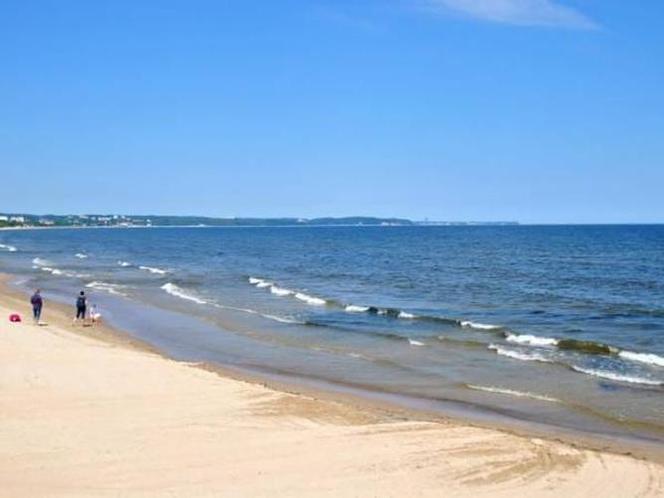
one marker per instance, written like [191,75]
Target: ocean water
[558,325]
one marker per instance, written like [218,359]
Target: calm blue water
[559,324]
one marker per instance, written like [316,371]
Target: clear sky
[529,110]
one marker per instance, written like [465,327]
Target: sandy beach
[90,412]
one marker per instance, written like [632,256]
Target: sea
[554,326]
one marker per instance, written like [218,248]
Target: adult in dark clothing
[81,306]
[37,304]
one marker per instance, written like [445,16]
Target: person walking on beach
[37,303]
[81,306]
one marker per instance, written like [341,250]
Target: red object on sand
[15,317]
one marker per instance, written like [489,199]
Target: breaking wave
[280,291]
[281,319]
[372,310]
[42,264]
[52,271]
[9,248]
[176,291]
[413,342]
[124,264]
[80,255]
[631,379]
[391,312]
[316,301]
[467,324]
[276,318]
[151,269]
[106,287]
[587,347]
[360,356]
[352,308]
[531,340]
[519,355]
[511,392]
[647,358]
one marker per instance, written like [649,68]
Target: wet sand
[89,411]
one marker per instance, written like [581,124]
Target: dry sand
[88,412]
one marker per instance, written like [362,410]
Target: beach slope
[84,417]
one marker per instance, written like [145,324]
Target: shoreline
[385,405]
[88,411]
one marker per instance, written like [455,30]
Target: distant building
[4,218]
[46,222]
[17,219]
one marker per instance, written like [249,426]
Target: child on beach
[95,316]
[37,303]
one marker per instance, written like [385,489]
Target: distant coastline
[21,220]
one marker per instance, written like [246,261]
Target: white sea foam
[106,287]
[276,318]
[531,340]
[78,275]
[618,377]
[41,262]
[413,342]
[7,247]
[260,282]
[352,308]
[58,272]
[518,355]
[316,301]
[124,263]
[511,392]
[467,324]
[80,255]
[174,290]
[281,319]
[280,291]
[151,269]
[359,356]
[406,316]
[52,271]
[647,358]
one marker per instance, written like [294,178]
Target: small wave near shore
[512,392]
[153,270]
[114,289]
[8,248]
[179,292]
[283,292]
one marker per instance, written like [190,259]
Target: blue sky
[529,110]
